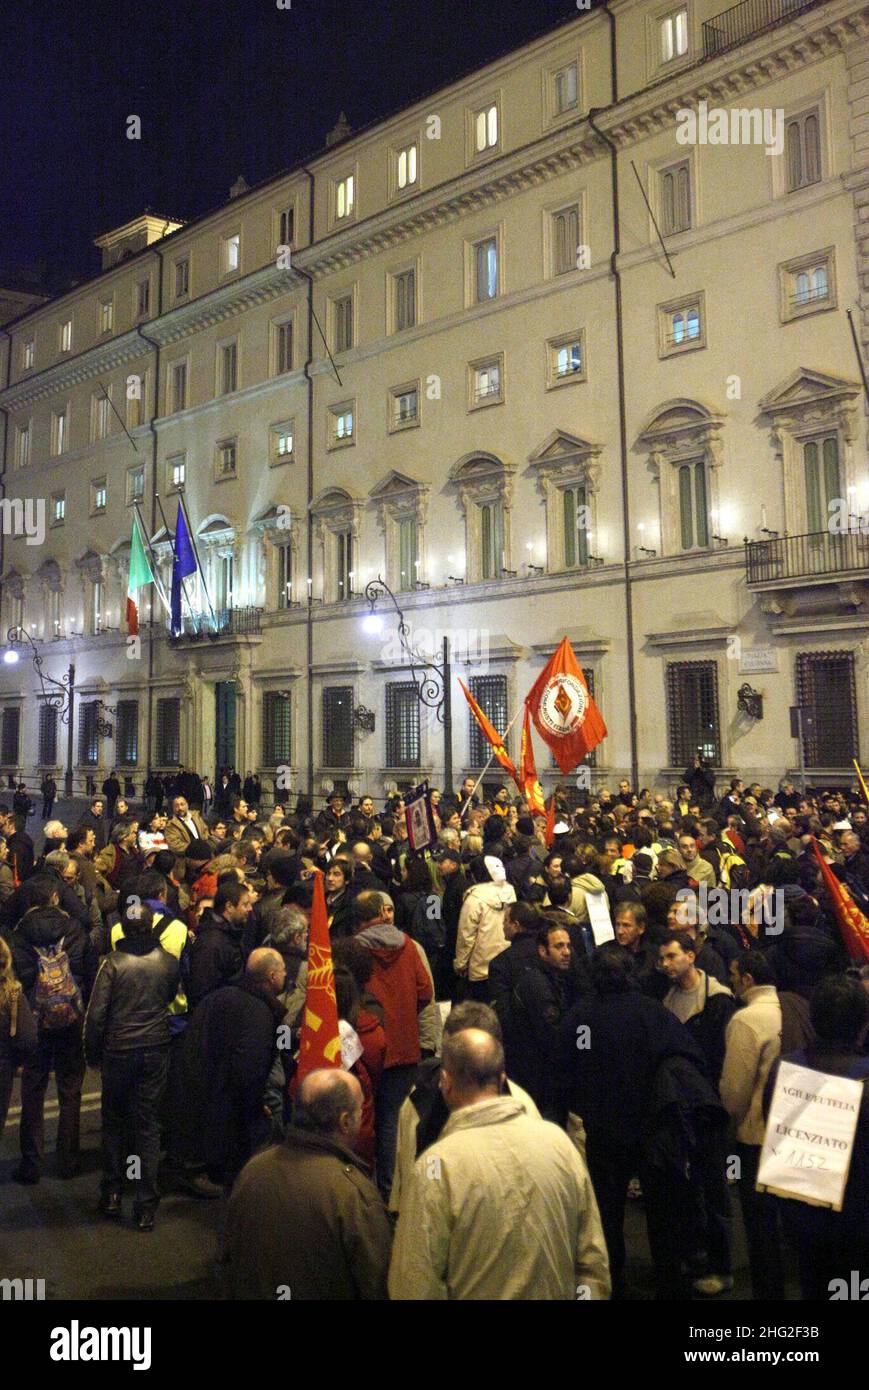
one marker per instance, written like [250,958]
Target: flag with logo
[851,922]
[183,564]
[531,787]
[492,736]
[140,575]
[320,1043]
[564,714]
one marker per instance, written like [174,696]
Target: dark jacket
[648,979]
[701,781]
[130,999]
[708,1029]
[98,825]
[340,915]
[229,1045]
[43,927]
[21,854]
[304,1217]
[684,1111]
[17,1046]
[542,996]
[504,973]
[216,957]
[111,788]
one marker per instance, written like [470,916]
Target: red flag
[132,619]
[850,920]
[320,1044]
[550,822]
[531,788]
[492,736]
[565,716]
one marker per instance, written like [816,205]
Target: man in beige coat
[501,1205]
[184,827]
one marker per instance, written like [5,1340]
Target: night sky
[223,88]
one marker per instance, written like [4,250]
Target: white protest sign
[810,1135]
[351,1047]
[599,917]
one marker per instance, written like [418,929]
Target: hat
[561,828]
[842,825]
[199,851]
[642,862]
[447,852]
[525,825]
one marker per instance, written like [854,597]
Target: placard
[599,917]
[810,1136]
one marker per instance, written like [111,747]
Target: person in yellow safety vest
[150,889]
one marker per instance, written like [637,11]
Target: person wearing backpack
[17,1029]
[52,959]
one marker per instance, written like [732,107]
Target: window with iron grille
[338,726]
[692,712]
[168,732]
[490,693]
[826,689]
[9,736]
[276,728]
[590,760]
[402,724]
[47,735]
[127,745]
[88,739]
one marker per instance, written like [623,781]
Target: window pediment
[482,477]
[566,458]
[680,428]
[90,565]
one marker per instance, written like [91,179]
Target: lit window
[283,443]
[568,359]
[107,314]
[344,197]
[58,432]
[486,128]
[485,270]
[231,253]
[22,446]
[135,485]
[344,565]
[58,508]
[27,355]
[686,325]
[285,575]
[342,425]
[674,35]
[565,89]
[100,416]
[405,406]
[405,172]
[98,495]
[682,325]
[66,335]
[226,459]
[176,469]
[486,382]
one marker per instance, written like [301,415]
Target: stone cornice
[224,303]
[105,357]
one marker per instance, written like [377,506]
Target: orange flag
[321,1041]
[531,788]
[550,822]
[492,736]
[850,920]
[565,716]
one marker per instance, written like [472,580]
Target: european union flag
[183,564]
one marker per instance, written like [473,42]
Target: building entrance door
[224,743]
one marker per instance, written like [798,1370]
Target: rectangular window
[231,253]
[9,738]
[338,726]
[176,472]
[228,368]
[343,565]
[58,432]
[405,167]
[490,693]
[283,437]
[88,738]
[223,570]
[47,736]
[65,335]
[402,724]
[97,616]
[182,278]
[807,284]
[576,528]
[344,193]
[404,407]
[486,270]
[565,239]
[178,372]
[408,555]
[127,734]
[693,508]
[277,728]
[284,347]
[135,484]
[342,318]
[226,459]
[404,299]
[100,416]
[566,359]
[287,226]
[98,496]
[826,690]
[135,397]
[491,540]
[803,150]
[284,555]
[675,196]
[107,315]
[823,483]
[673,30]
[692,712]
[58,508]
[486,382]
[28,355]
[682,325]
[566,89]
[22,446]
[168,732]
[143,298]
[486,128]
[52,628]
[341,425]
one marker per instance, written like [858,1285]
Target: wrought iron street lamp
[432,680]
[56,694]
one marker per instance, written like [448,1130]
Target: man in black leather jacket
[127,1032]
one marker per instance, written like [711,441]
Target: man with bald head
[501,1205]
[305,1221]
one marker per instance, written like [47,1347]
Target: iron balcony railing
[227,622]
[743,21]
[802,557]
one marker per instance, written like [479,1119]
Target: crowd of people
[537,1025]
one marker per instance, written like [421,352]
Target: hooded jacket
[43,927]
[480,937]
[402,985]
[512,1214]
[216,957]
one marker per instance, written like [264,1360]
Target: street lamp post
[433,680]
[61,697]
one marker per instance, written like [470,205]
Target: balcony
[798,561]
[230,622]
[744,21]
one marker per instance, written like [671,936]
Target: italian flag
[140,575]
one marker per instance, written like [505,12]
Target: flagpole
[196,553]
[155,567]
[862,783]
[169,533]
[489,763]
